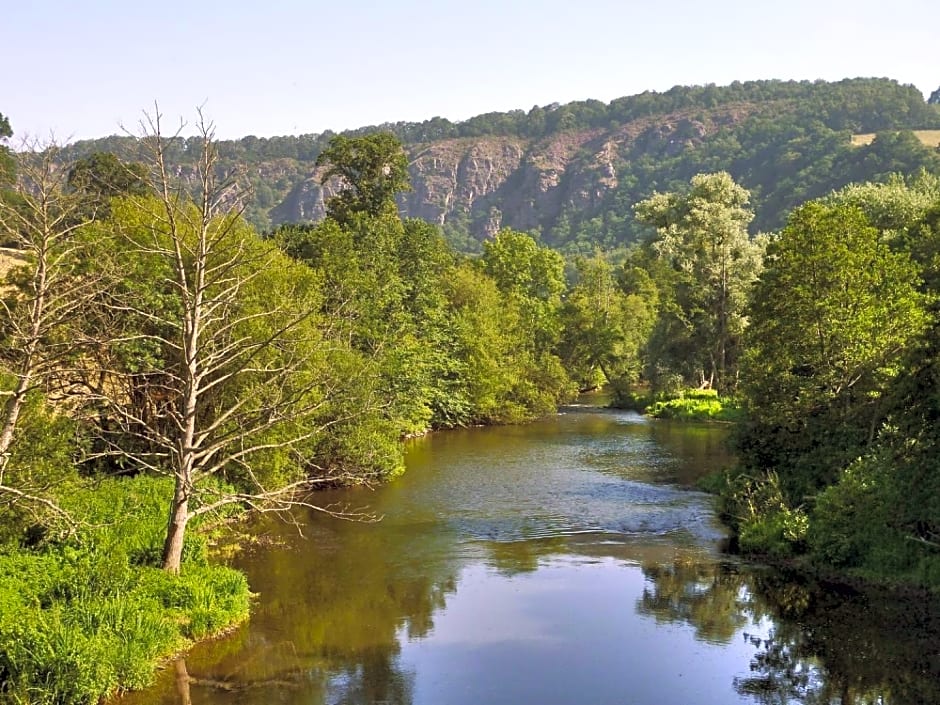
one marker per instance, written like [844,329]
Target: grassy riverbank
[684,405]
[90,614]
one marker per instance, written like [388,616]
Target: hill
[571,172]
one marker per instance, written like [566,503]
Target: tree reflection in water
[826,644]
[708,597]
[330,629]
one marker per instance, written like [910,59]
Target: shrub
[757,510]
[859,524]
[778,534]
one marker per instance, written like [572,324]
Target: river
[561,562]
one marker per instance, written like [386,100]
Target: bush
[757,511]
[858,525]
[778,534]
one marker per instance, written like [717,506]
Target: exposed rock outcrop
[482,184]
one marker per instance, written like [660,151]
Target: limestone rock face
[305,202]
[572,172]
[487,183]
[479,185]
[457,178]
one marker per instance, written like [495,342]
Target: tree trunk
[27,366]
[176,529]
[182,682]
[11,416]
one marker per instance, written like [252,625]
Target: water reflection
[329,625]
[820,643]
[511,558]
[562,562]
[708,596]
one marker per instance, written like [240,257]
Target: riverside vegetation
[165,367]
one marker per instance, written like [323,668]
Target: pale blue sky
[81,69]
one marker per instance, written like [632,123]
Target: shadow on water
[565,561]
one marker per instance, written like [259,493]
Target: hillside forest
[571,173]
[176,350]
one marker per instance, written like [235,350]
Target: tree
[495,364]
[830,315]
[383,278]
[6,159]
[101,176]
[907,212]
[830,318]
[532,275]
[531,279]
[371,170]
[702,235]
[605,328]
[50,287]
[934,98]
[237,387]
[896,206]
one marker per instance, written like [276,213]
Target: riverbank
[89,614]
[812,538]
[832,543]
[825,534]
[683,405]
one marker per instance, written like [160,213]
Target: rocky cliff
[483,184]
[572,172]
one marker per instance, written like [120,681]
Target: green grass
[85,618]
[694,405]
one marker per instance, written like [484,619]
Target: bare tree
[241,389]
[47,288]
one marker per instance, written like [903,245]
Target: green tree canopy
[532,275]
[701,233]
[830,319]
[371,169]
[605,328]
[103,175]
[831,313]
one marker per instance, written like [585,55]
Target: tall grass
[84,618]
[693,405]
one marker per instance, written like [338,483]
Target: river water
[566,561]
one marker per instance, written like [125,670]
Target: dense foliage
[839,379]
